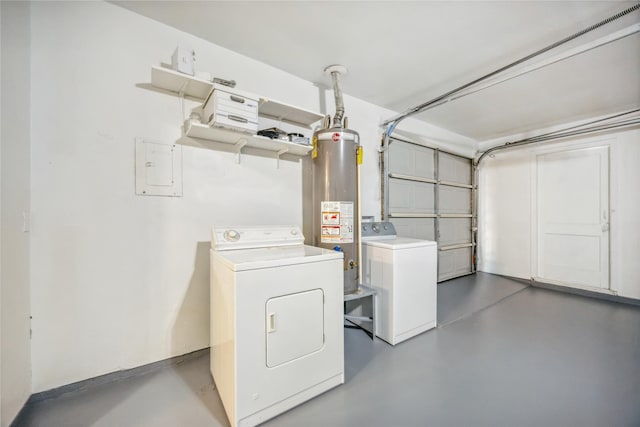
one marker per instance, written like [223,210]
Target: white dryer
[276,320]
[403,272]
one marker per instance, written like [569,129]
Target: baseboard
[585,293]
[570,290]
[87,384]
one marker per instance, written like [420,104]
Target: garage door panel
[454,263]
[418,228]
[449,201]
[454,200]
[412,160]
[454,168]
[454,231]
[411,196]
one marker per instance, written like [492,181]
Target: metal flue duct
[335,71]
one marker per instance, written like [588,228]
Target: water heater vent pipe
[335,71]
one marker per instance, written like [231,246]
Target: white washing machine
[276,320]
[403,271]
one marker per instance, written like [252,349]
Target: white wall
[506,216]
[120,280]
[15,358]
[1,215]
[1,399]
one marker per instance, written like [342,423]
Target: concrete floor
[504,354]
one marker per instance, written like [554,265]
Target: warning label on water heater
[337,222]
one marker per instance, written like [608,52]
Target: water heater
[335,203]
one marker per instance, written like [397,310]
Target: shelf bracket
[183,88]
[238,146]
[278,154]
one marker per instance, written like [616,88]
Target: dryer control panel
[252,237]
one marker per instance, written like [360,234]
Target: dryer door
[294,326]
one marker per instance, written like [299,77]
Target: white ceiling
[401,54]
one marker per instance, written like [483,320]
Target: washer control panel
[384,228]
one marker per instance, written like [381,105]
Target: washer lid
[224,238]
[399,243]
[276,256]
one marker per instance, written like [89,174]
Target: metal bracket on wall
[183,88]
[278,154]
[238,146]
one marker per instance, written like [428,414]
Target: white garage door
[427,195]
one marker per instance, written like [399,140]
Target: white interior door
[573,217]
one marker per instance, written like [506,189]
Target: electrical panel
[158,168]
